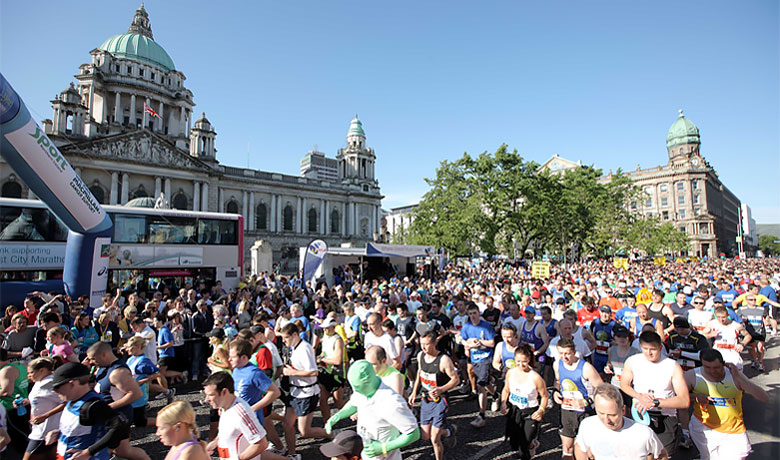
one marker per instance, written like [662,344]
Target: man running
[658,387]
[602,329]
[753,317]
[730,337]
[718,425]
[478,338]
[436,376]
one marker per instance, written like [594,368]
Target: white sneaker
[478,422]
[494,405]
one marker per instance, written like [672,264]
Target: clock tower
[682,143]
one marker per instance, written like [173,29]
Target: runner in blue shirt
[250,383]
[478,337]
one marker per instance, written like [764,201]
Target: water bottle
[20,409]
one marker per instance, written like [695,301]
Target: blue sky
[596,81]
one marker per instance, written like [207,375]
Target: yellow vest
[723,412]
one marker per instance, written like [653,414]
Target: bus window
[129,228]
[30,224]
[171,230]
[214,231]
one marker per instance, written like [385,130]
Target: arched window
[140,193]
[312,220]
[288,218]
[261,217]
[11,189]
[335,222]
[98,193]
[180,201]
[231,207]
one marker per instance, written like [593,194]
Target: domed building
[688,192]
[129,128]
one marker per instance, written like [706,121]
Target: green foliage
[500,203]
[767,245]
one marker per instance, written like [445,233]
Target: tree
[652,237]
[769,245]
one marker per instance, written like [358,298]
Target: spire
[140,24]
[356,127]
[681,113]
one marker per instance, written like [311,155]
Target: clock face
[695,162]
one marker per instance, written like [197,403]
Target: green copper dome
[683,131]
[138,44]
[356,128]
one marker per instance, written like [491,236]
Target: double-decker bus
[149,248]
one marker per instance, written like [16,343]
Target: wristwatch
[656,402]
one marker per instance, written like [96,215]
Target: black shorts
[39,447]
[167,361]
[482,371]
[570,422]
[757,337]
[331,381]
[667,428]
[123,432]
[304,406]
[458,352]
[139,416]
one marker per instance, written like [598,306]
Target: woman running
[45,409]
[524,401]
[177,430]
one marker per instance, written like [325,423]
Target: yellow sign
[680,260]
[644,296]
[620,262]
[660,261]
[540,270]
[739,239]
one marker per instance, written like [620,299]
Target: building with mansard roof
[129,128]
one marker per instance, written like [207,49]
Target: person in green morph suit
[385,422]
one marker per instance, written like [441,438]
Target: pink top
[64,349]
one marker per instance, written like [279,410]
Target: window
[664,201]
[696,211]
[665,215]
[231,207]
[216,231]
[288,218]
[680,199]
[649,203]
[663,188]
[98,193]
[140,193]
[335,222]
[680,186]
[261,217]
[11,189]
[681,214]
[695,185]
[171,230]
[129,229]
[696,199]
[180,201]
[633,205]
[30,224]
[682,229]
[312,220]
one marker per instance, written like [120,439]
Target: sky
[596,81]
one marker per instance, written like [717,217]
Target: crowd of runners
[642,362]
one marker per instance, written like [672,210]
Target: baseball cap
[605,308]
[328,322]
[560,301]
[718,299]
[217,332]
[346,442]
[66,373]
[536,295]
[620,330]
[530,308]
[681,322]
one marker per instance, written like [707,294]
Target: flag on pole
[151,111]
[315,254]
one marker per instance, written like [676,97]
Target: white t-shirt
[238,429]
[413,306]
[552,350]
[632,442]
[384,341]
[700,319]
[42,401]
[457,322]
[150,350]
[517,323]
[383,417]
[303,359]
[653,378]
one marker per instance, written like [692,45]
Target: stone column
[167,189]
[113,196]
[245,209]
[279,222]
[252,220]
[118,108]
[304,216]
[298,215]
[272,227]
[322,217]
[326,230]
[355,229]
[204,201]
[125,188]
[161,121]
[182,115]
[221,197]
[104,109]
[91,101]
[189,123]
[372,228]
[157,186]
[196,197]
[343,219]
[132,110]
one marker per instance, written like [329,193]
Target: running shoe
[478,422]
[685,442]
[533,446]
[169,395]
[760,367]
[274,450]
[464,389]
[451,440]
[494,405]
[294,457]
